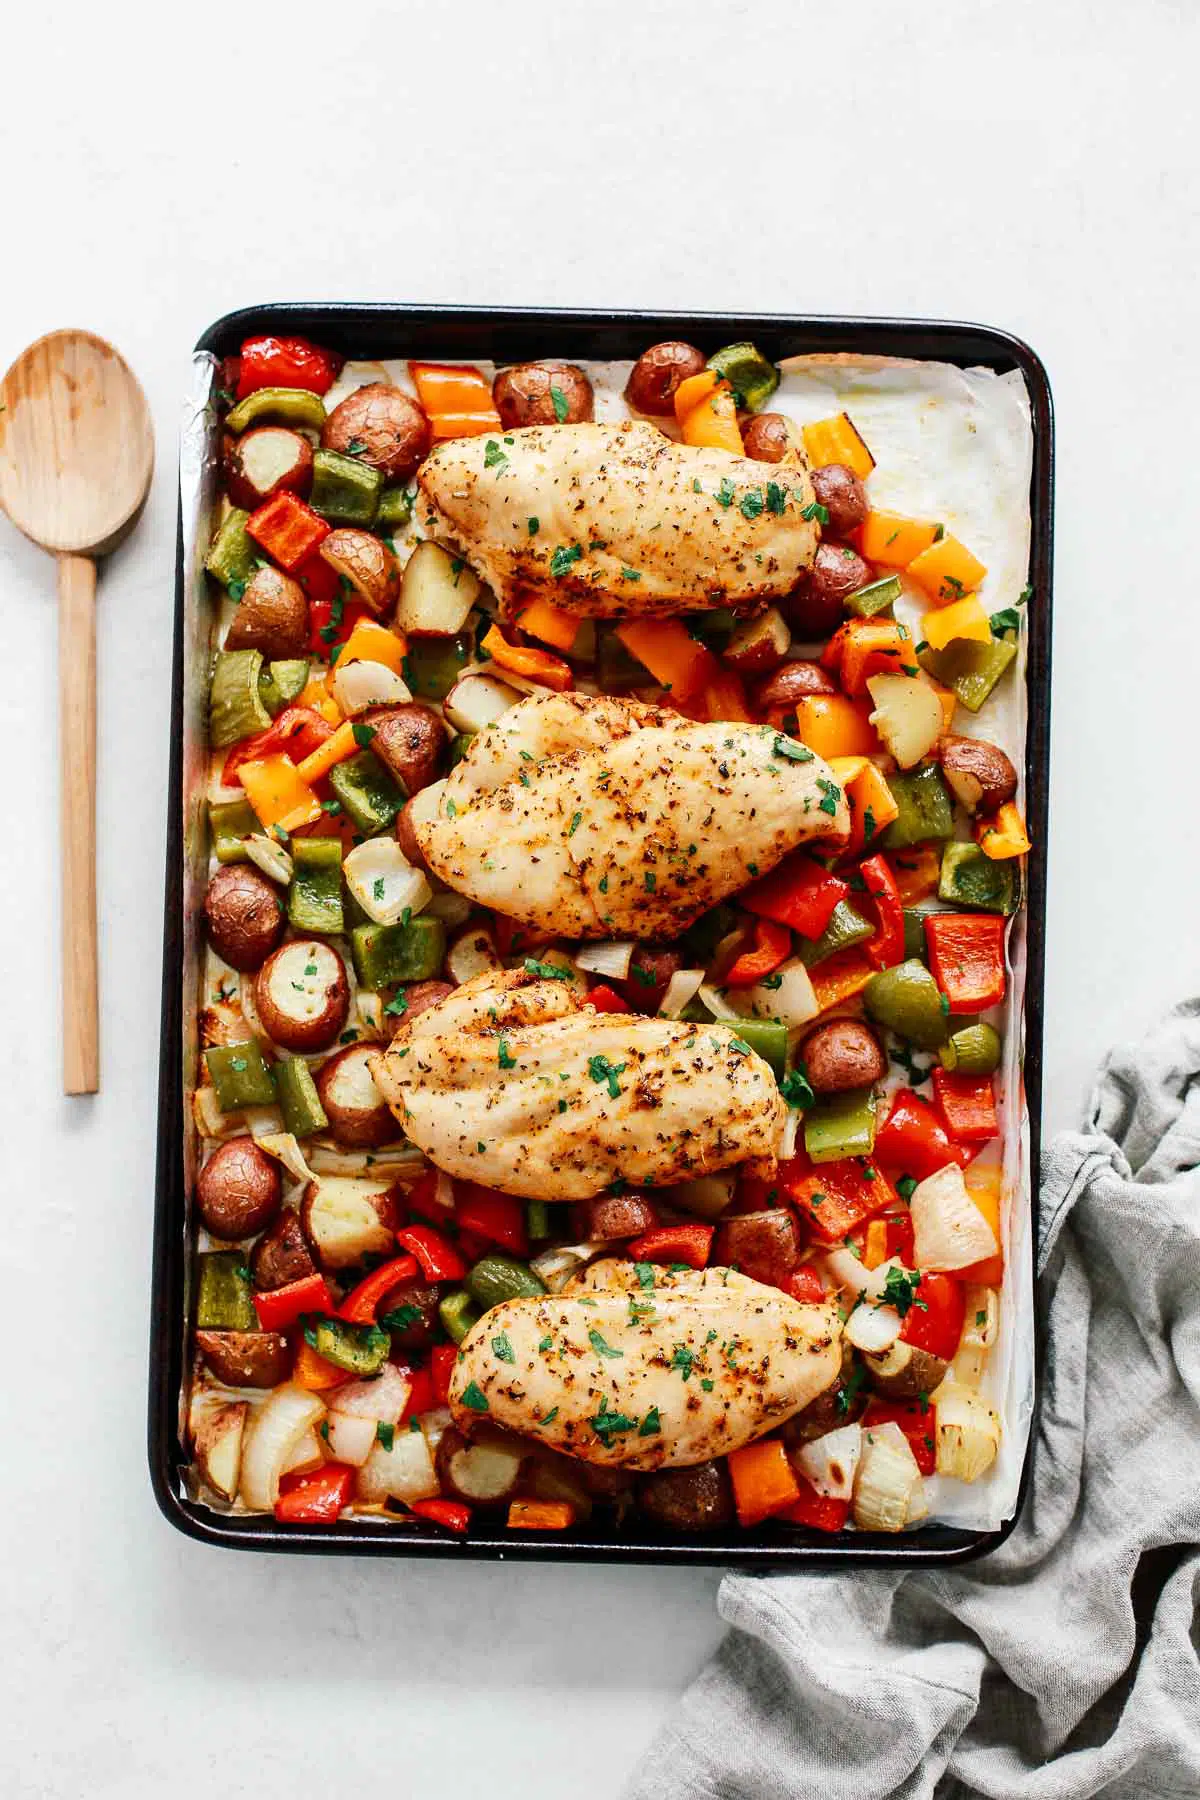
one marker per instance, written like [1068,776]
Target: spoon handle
[77,786]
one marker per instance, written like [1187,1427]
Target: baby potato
[268,460]
[345,1220]
[272,616]
[818,604]
[763,1245]
[795,681]
[542,393]
[238,1191]
[768,437]
[699,1498]
[244,916]
[302,995]
[257,1359]
[382,426]
[657,374]
[358,1115]
[368,565]
[842,1054]
[281,1254]
[411,741]
[981,775]
[843,496]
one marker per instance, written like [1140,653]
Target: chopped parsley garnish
[385,1433]
[474,1397]
[951,588]
[546,1343]
[845,1395]
[400,1318]
[532,524]
[576,821]
[906,1187]
[631,575]
[832,793]
[600,1346]
[706,1384]
[377,887]
[608,1424]
[502,1347]
[651,1423]
[981,1317]
[505,1058]
[1007,620]
[649,879]
[795,1088]
[563,558]
[362,734]
[560,403]
[900,1290]
[725,492]
[549,1417]
[776,497]
[750,504]
[493,456]
[683,1359]
[645,1274]
[791,750]
[814,510]
[546,970]
[600,1069]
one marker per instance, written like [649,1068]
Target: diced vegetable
[495,1278]
[906,1000]
[223,1300]
[688,1244]
[875,598]
[359,685]
[968,1433]
[907,716]
[383,881]
[913,1140]
[387,954]
[837,441]
[751,376]
[231,556]
[288,530]
[240,1075]
[950,1231]
[969,878]
[344,490]
[235,707]
[966,955]
[401,1471]
[972,1049]
[374,643]
[1004,834]
[799,893]
[669,651]
[457,1312]
[787,995]
[889,1481]
[947,570]
[893,540]
[846,928]
[924,808]
[962,621]
[706,408]
[835,1198]
[367,791]
[457,398]
[528,661]
[278,793]
[359,1349]
[840,1125]
[835,725]
[472,953]
[287,405]
[437,592]
[767,1038]
[282,1306]
[763,1482]
[968,1105]
[971,669]
[477,701]
[315,896]
[230,823]
[273,1434]
[298,1098]
[282,682]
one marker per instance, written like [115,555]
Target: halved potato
[358,1113]
[367,564]
[346,1218]
[437,592]
[266,461]
[485,1472]
[758,645]
[908,716]
[218,1435]
[478,700]
[257,1359]
[302,995]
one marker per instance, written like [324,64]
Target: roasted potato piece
[695,1499]
[842,1054]
[980,773]
[484,1471]
[238,1191]
[758,645]
[769,436]
[905,1373]
[542,393]
[345,1219]
[244,916]
[794,682]
[843,496]
[358,1114]
[302,995]
[763,1245]
[437,592]
[256,1359]
[818,603]
[650,970]
[608,1217]
[367,564]
[656,375]
[412,1307]
[407,839]
[382,427]
[840,1404]
[281,1254]
[272,616]
[423,994]
[411,740]
[217,1439]
[267,461]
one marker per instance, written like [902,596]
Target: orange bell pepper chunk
[313,1372]
[369,642]
[692,390]
[278,792]
[335,749]
[986,1188]
[875,1248]
[552,624]
[711,420]
[763,1482]
[670,652]
[457,398]
[835,725]
[872,807]
[837,440]
[874,647]
[540,1515]
[947,570]
[527,659]
[725,697]
[840,977]
[963,618]
[316,696]
[1004,834]
[892,540]
[917,873]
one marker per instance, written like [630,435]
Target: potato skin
[272,616]
[281,1254]
[842,1054]
[843,495]
[411,740]
[424,1296]
[386,428]
[357,1127]
[407,838]
[763,1245]
[980,773]
[826,1412]
[257,1359]
[656,375]
[244,916]
[522,394]
[795,681]
[695,1499]
[238,1191]
[240,485]
[818,603]
[768,436]
[922,1374]
[610,1217]
[317,1033]
[383,1205]
[368,565]
[424,994]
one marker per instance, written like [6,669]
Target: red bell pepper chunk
[804,1284]
[422,1199]
[513,939]
[359,1305]
[450,1513]
[283,1306]
[887,946]
[917,1419]
[968,1104]
[330,621]
[912,1140]
[320,581]
[607,1000]
[496,1217]
[772,945]
[437,1256]
[442,1359]
[422,1397]
[287,362]
[316,1498]
[966,958]
[288,530]
[934,1321]
[298,730]
[799,893]
[815,1509]
[898,1239]
[688,1244]
[837,1196]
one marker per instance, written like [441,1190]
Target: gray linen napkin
[1066,1663]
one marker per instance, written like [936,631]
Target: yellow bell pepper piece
[837,440]
[986,1188]
[549,623]
[834,725]
[917,873]
[279,793]
[961,619]
[892,540]
[369,642]
[839,978]
[875,1248]
[846,769]
[316,695]
[947,570]
[335,749]
[1004,834]
[670,652]
[707,413]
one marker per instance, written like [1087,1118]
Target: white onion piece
[393,1161]
[273,1436]
[211,1122]
[358,685]
[792,998]
[368,1005]
[384,882]
[352,376]
[451,908]
[405,1472]
[478,700]
[718,1002]
[269,856]
[472,953]
[307,1455]
[262,1121]
[873,1328]
[790,1138]
[611,959]
[888,1480]
[556,1267]
[847,1271]
[949,1231]
[683,986]
[351,1439]
[831,1462]
[435,1424]
[285,1148]
[381,1397]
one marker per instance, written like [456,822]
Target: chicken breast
[516,1082]
[616,519]
[647,824]
[655,1373]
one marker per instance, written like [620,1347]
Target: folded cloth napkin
[1065,1664]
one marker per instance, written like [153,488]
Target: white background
[1028,164]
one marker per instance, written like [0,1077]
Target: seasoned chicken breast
[643,827]
[614,519]
[515,1081]
[654,1372]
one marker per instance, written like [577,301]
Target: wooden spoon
[76,455]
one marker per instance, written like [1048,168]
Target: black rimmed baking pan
[383,332]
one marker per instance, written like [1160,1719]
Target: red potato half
[763,1245]
[218,1436]
[281,1254]
[358,1114]
[238,1191]
[346,1218]
[257,1359]
[302,995]
[267,461]
[758,645]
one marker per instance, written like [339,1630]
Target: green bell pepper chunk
[846,928]
[457,1312]
[768,1038]
[841,1125]
[282,682]
[433,665]
[344,489]
[459,745]
[367,792]
[876,597]
[235,708]
[970,668]
[495,1278]
[537,1220]
[232,557]
[617,670]
[360,1349]
[240,1075]
[394,510]
[387,954]
[926,809]
[224,1301]
[714,628]
[229,823]
[752,378]
[907,1000]
[914,934]
[298,1098]
[971,879]
[294,406]
[972,1050]
[315,894]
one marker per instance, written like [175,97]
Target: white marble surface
[1029,164]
